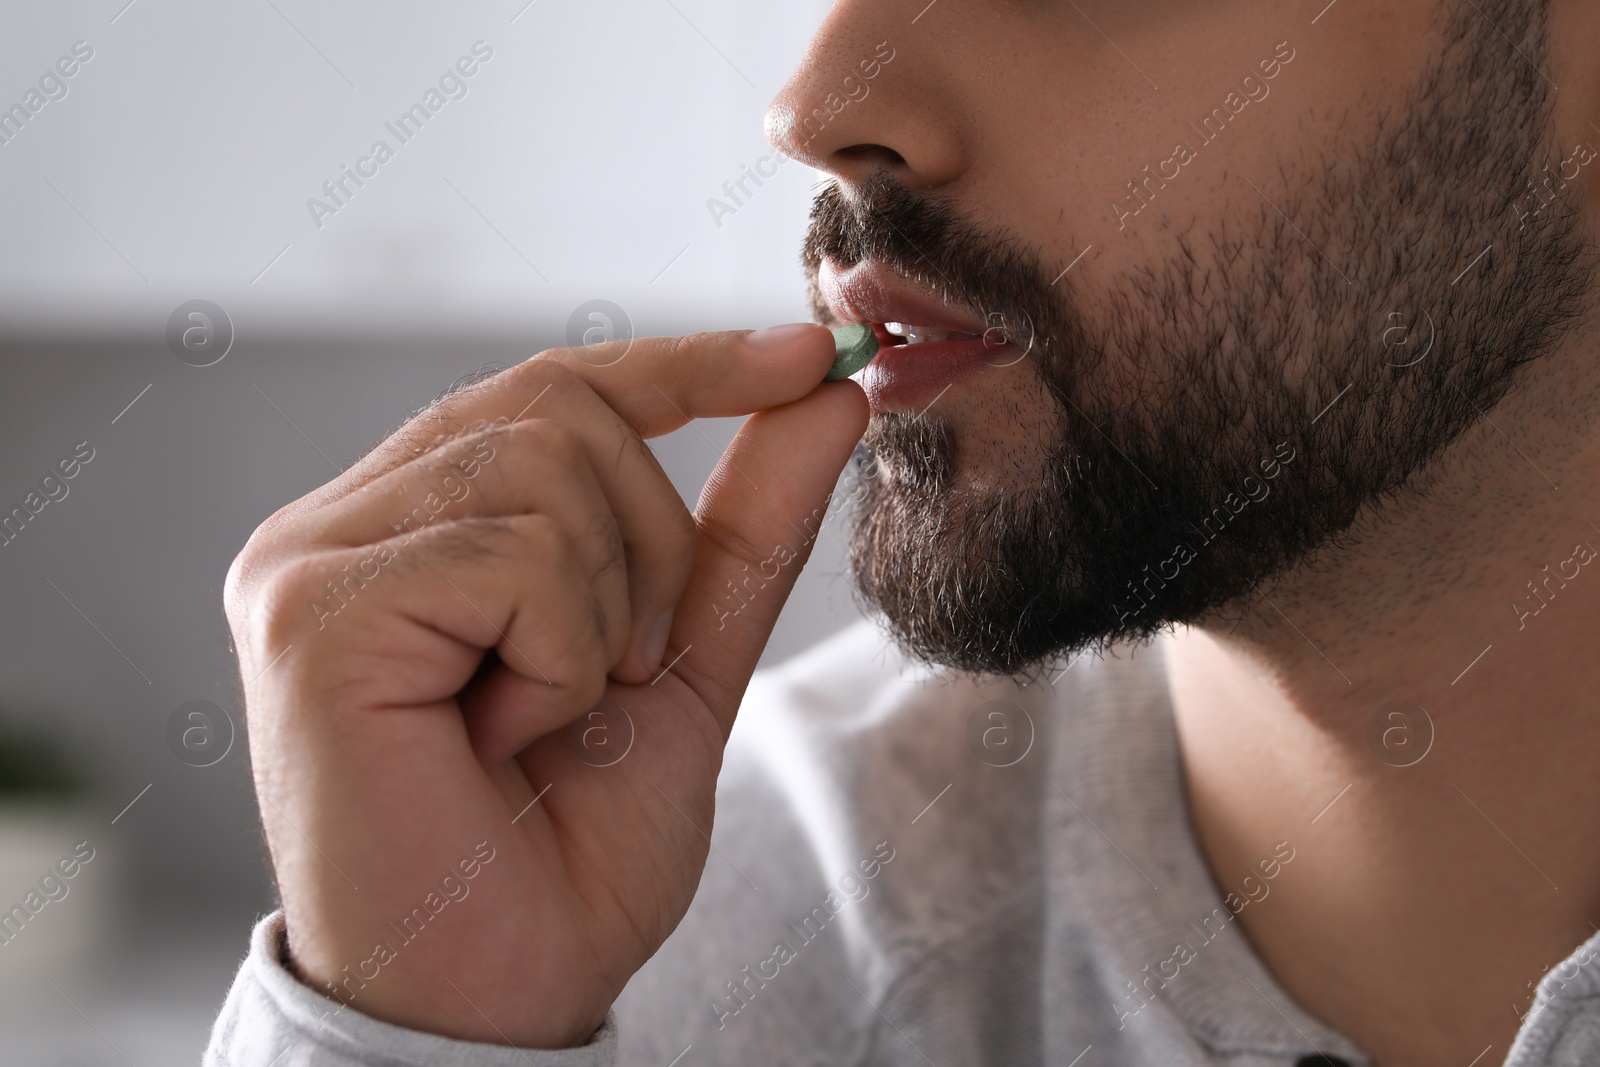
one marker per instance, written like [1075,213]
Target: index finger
[656,384]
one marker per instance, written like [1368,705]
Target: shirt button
[1320,1060]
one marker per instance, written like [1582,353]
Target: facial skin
[1002,525]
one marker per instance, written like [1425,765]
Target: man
[1227,513]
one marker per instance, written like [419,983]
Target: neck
[1417,720]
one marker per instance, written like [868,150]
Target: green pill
[853,348]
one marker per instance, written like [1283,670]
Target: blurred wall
[576,161]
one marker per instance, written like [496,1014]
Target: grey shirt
[915,869]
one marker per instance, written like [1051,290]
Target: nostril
[867,151]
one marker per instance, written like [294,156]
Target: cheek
[1059,164]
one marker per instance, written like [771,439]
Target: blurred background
[201,331]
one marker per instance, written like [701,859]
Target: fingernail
[774,337]
[655,642]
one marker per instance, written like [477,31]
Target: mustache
[927,239]
[882,220]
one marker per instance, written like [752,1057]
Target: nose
[871,93]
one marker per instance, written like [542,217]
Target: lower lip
[911,378]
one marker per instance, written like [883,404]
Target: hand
[429,640]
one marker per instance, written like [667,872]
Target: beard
[1281,403]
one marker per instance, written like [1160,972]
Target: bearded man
[1223,494]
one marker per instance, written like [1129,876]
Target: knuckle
[465,456]
[276,556]
[241,574]
[576,657]
[548,436]
[270,549]
[469,539]
[604,540]
[547,369]
[545,537]
[443,423]
[486,379]
[447,432]
[236,588]
[425,430]
[280,605]
[688,346]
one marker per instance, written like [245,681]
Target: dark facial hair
[1193,454]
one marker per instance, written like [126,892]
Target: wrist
[424,1015]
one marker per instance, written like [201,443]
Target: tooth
[916,335]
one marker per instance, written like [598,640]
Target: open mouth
[902,314]
[892,334]
[926,341]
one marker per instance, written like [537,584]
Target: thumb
[758,516]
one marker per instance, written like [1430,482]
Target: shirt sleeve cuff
[271,1018]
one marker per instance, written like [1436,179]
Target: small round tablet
[853,348]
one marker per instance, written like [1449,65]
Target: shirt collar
[1126,852]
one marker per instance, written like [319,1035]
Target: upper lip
[870,292]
